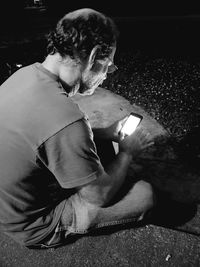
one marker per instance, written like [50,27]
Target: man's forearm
[117,172]
[102,190]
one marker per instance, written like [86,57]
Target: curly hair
[78,32]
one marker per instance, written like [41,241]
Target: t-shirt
[47,150]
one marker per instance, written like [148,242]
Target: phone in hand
[131,123]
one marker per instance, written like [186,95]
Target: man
[52,182]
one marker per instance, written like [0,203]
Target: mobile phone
[131,123]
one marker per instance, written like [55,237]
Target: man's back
[32,108]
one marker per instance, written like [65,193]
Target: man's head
[85,41]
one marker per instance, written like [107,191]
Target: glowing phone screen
[130,125]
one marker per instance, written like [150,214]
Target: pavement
[129,245]
[137,247]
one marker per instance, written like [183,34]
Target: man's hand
[135,143]
[112,132]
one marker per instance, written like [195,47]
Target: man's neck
[51,64]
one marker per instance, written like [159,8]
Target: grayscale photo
[99,133]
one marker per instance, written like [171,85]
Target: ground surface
[142,247]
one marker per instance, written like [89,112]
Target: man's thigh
[130,208]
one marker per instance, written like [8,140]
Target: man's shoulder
[39,107]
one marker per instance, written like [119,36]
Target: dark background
[162,27]
[154,28]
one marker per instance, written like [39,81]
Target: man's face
[93,77]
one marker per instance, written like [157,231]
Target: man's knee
[145,194]
[84,215]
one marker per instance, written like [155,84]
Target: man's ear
[92,56]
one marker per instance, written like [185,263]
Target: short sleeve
[71,155]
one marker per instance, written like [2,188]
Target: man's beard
[88,88]
[85,88]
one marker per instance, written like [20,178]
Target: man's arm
[71,156]
[108,182]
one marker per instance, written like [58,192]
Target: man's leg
[131,203]
[80,217]
[131,208]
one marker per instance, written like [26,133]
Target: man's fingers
[124,120]
[121,136]
[148,144]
